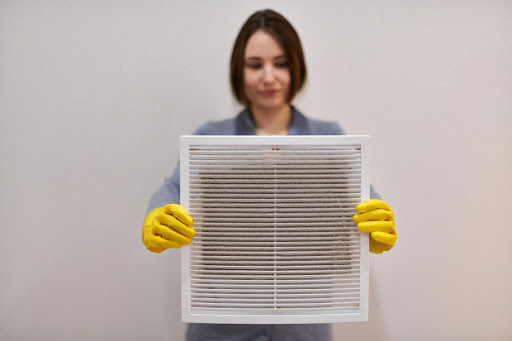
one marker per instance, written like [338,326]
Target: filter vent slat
[275,241]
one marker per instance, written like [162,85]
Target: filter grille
[274,231]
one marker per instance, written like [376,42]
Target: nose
[268,74]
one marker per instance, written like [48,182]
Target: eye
[254,66]
[281,65]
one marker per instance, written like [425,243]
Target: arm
[167,224]
[168,193]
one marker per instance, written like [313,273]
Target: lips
[269,92]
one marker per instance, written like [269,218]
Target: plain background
[94,96]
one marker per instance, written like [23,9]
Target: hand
[376,218]
[167,227]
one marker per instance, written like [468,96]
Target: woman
[267,70]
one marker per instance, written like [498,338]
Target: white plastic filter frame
[240,283]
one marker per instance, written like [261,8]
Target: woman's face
[266,73]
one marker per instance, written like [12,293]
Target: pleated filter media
[275,241]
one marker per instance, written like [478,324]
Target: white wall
[93,97]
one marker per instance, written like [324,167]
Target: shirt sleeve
[373,193]
[168,192]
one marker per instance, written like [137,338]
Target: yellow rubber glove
[167,227]
[376,218]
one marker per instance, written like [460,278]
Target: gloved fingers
[372,226]
[179,213]
[376,217]
[173,223]
[155,249]
[384,238]
[171,235]
[377,214]
[376,247]
[372,204]
[158,244]
[148,221]
[373,246]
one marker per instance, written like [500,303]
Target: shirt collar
[298,125]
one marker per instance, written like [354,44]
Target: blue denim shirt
[169,193]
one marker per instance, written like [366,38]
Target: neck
[272,122]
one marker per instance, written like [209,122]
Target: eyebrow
[259,58]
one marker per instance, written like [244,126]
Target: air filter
[275,242]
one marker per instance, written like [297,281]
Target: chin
[272,104]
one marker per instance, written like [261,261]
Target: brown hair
[276,25]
